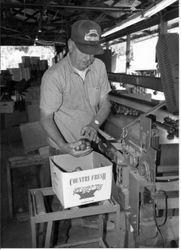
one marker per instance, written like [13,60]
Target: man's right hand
[78,149]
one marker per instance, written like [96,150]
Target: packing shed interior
[23,144]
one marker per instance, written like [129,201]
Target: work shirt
[73,101]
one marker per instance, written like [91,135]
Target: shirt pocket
[94,95]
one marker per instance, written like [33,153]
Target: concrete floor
[15,232]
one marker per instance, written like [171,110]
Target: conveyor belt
[143,81]
[142,101]
[142,106]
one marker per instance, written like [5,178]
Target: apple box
[82,180]
[6,107]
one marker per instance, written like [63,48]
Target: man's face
[80,60]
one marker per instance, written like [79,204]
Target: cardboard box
[43,65]
[44,151]
[32,94]
[16,74]
[26,60]
[33,136]
[33,112]
[34,60]
[6,107]
[75,188]
[15,118]
[26,74]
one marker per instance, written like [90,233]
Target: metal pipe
[169,15]
[60,6]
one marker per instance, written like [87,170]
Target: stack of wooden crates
[23,171]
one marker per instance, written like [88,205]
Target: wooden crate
[23,173]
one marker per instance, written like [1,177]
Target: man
[74,98]
[74,92]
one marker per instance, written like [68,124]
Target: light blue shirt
[73,101]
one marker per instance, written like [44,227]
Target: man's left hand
[90,132]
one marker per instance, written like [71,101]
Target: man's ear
[70,45]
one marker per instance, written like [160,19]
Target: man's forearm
[103,112]
[52,131]
[90,131]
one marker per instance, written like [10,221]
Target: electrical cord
[166,208]
[155,219]
[157,226]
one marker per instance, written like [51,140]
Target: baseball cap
[86,35]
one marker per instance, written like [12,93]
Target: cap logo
[92,35]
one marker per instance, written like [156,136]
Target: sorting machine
[141,136]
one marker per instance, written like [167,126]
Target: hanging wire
[155,217]
[166,208]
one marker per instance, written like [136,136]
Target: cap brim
[90,49]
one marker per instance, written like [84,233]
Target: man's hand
[90,132]
[77,149]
